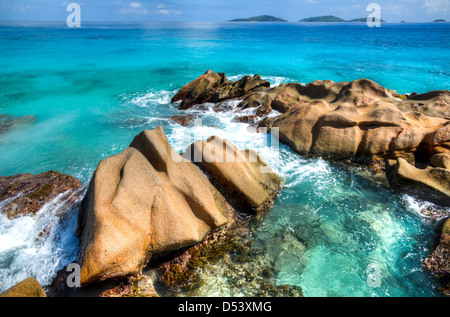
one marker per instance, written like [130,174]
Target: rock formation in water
[358,121]
[149,200]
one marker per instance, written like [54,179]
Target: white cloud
[312,1]
[160,6]
[435,6]
[164,11]
[135,5]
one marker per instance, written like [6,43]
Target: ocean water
[91,90]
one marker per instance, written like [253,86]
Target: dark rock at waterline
[183,120]
[199,90]
[26,194]
[8,122]
[439,261]
[27,288]
[212,87]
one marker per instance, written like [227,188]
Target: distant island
[261,18]
[332,18]
[439,20]
[365,20]
[325,18]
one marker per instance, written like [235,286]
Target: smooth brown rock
[441,160]
[27,288]
[241,176]
[26,194]
[431,184]
[433,104]
[358,133]
[146,200]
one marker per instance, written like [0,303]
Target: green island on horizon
[324,18]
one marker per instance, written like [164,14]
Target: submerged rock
[27,288]
[144,201]
[8,122]
[183,120]
[26,194]
[136,286]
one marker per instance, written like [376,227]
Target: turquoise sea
[90,90]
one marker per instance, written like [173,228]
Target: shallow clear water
[93,89]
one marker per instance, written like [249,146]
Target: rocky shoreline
[151,215]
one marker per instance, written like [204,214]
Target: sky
[221,10]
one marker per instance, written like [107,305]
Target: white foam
[273,80]
[148,98]
[37,246]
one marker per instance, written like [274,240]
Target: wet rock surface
[26,194]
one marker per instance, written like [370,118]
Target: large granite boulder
[360,133]
[241,176]
[26,194]
[146,200]
[27,288]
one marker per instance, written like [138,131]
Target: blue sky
[221,10]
